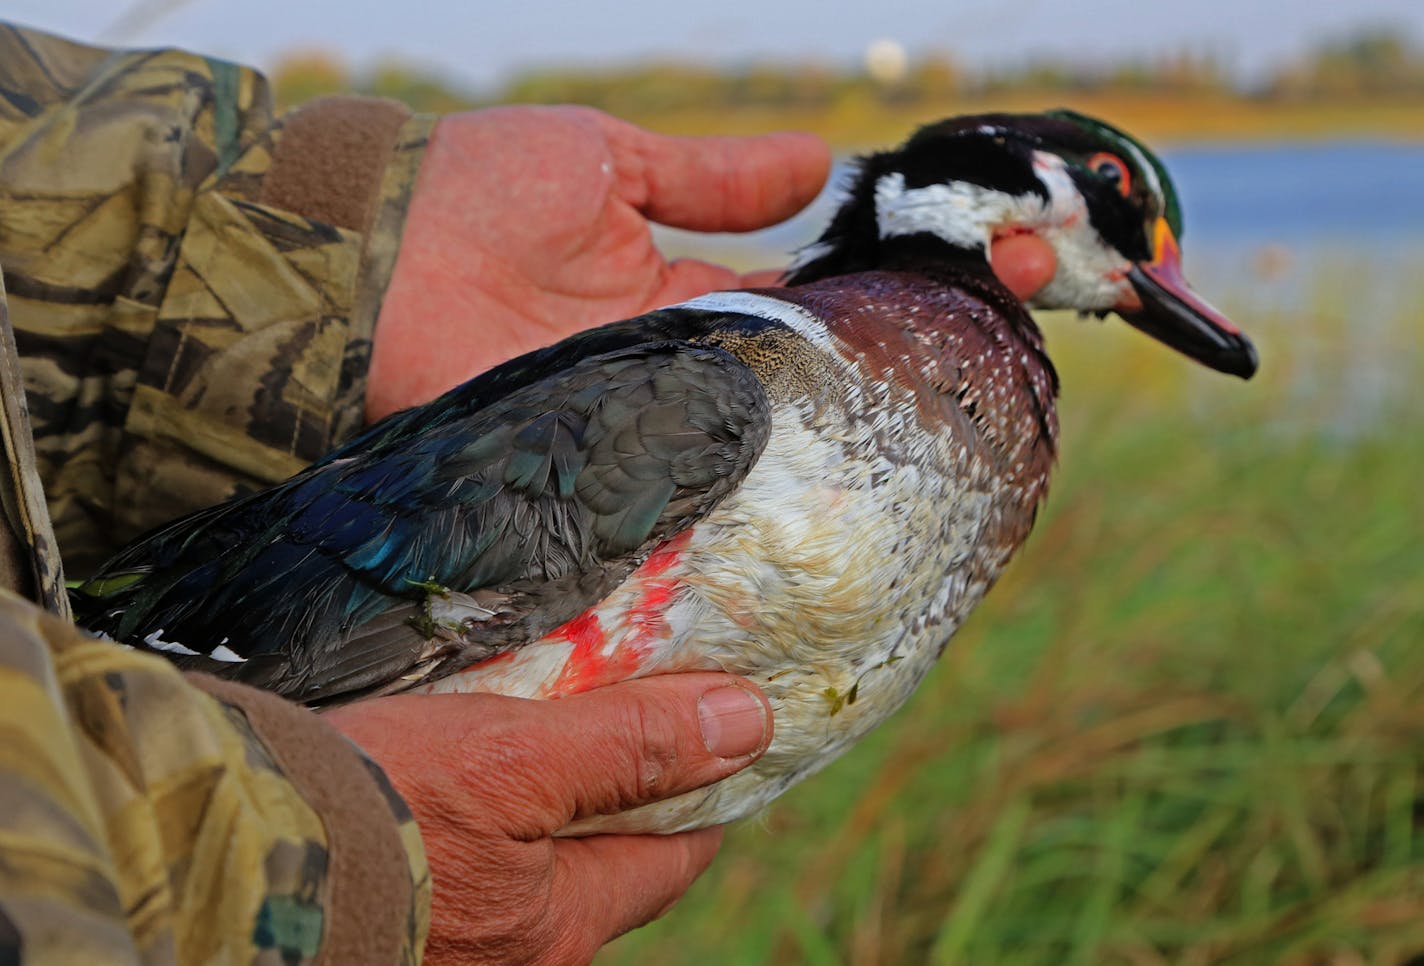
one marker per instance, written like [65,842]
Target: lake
[1317,195]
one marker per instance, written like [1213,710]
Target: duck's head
[1096,195]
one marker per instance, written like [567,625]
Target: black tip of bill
[1175,316]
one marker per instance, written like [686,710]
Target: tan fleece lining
[369,873]
[331,154]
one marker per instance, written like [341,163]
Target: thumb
[615,748]
[1024,263]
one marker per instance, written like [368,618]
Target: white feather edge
[799,320]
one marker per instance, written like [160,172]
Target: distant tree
[1181,73]
[301,75]
[937,75]
[1373,60]
[637,89]
[422,92]
[768,85]
[1366,62]
[1041,75]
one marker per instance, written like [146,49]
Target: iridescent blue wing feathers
[535,488]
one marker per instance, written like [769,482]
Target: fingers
[619,747]
[717,183]
[489,779]
[532,767]
[647,874]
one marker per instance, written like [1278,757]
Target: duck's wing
[448,532]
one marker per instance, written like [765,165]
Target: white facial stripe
[1064,198]
[1148,170]
[961,213]
[794,317]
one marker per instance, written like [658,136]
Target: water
[1357,194]
[1282,217]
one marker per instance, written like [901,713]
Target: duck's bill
[1175,315]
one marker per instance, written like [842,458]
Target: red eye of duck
[1111,169]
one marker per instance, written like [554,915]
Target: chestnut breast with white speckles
[912,432]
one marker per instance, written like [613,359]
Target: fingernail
[733,721]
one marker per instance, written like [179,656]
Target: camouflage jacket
[193,285]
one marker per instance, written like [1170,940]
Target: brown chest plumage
[969,353]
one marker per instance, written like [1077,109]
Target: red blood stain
[665,556]
[646,616]
[647,613]
[584,632]
[589,665]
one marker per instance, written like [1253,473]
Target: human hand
[490,779]
[528,224]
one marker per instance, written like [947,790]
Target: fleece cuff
[330,157]
[369,871]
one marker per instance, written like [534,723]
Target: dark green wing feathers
[451,531]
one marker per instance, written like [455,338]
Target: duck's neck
[923,253]
[939,266]
[940,263]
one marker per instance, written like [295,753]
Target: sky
[480,43]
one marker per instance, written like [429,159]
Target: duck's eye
[1110,168]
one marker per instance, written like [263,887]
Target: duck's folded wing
[424,550]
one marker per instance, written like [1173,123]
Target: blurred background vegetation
[1367,81]
[1187,727]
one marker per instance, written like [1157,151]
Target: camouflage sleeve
[144,821]
[193,282]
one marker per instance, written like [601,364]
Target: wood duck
[810,485]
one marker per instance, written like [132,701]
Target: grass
[1185,728]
